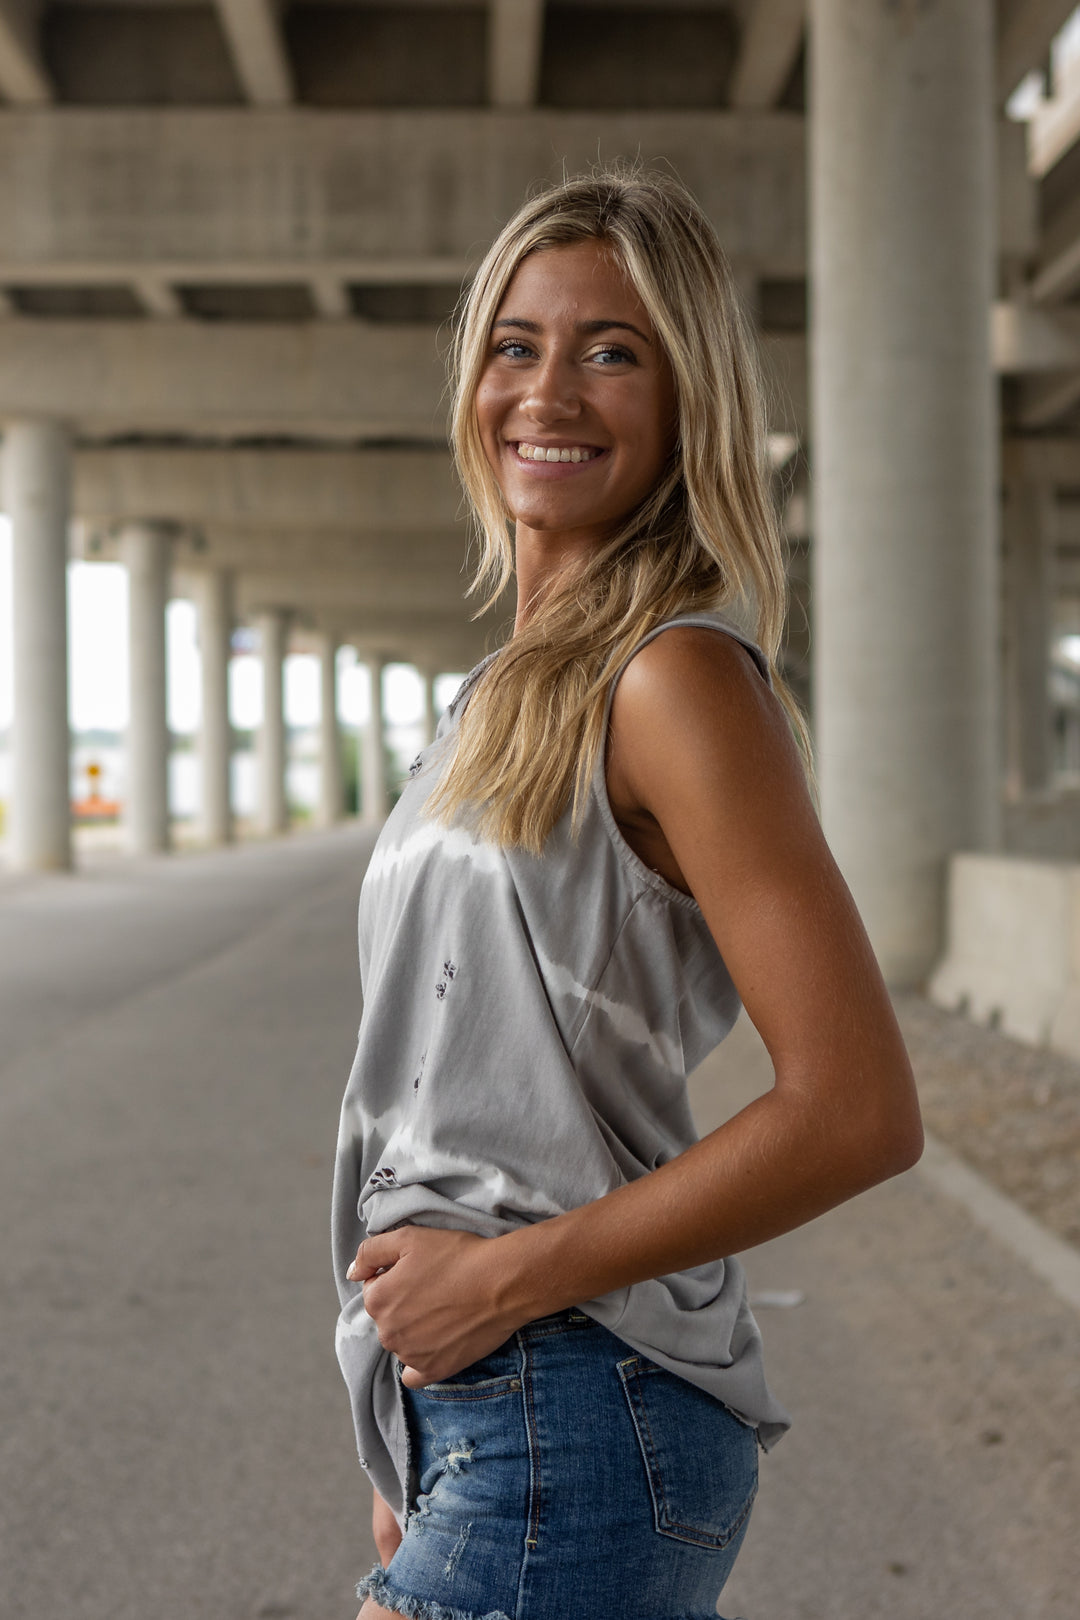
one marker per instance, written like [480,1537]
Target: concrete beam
[395,591]
[158,198]
[305,493]
[24,81]
[772,35]
[158,297]
[1055,127]
[421,638]
[330,296]
[219,381]
[1026,339]
[1045,400]
[1051,459]
[253,33]
[429,564]
[1059,276]
[231,272]
[356,193]
[515,39]
[1025,29]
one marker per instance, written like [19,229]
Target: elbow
[893,1141]
[907,1146]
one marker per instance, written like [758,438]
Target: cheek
[490,408]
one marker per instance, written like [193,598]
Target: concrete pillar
[272,814]
[1030,513]
[36,481]
[902,217]
[331,777]
[144,551]
[214,602]
[374,788]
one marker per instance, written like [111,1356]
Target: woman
[556,1380]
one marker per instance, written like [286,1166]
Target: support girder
[303,491]
[431,565]
[1024,31]
[24,80]
[771,39]
[246,188]
[219,382]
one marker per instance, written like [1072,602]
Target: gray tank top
[528,1026]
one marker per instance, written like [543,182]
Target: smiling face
[576,403]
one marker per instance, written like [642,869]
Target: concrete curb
[1055,1261]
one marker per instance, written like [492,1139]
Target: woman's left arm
[702,749]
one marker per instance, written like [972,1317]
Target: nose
[552,392]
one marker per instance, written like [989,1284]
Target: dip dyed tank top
[528,1026]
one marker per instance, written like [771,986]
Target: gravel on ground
[1011,1111]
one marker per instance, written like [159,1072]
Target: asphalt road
[174,1437]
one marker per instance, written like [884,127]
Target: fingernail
[350,1275]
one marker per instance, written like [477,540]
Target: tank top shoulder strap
[628,857]
[693,621]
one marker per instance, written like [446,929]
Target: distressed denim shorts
[567,1477]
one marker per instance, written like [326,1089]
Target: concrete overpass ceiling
[272,167]
[587,54]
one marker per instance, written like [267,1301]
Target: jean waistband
[567,1321]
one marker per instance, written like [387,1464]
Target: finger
[375,1254]
[413,1379]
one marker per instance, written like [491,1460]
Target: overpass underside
[232,237]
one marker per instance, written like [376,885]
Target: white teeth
[539,452]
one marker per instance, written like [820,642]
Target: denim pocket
[491,1376]
[700,1460]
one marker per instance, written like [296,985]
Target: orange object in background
[93,807]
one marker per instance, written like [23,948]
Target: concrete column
[331,777]
[36,481]
[272,814]
[902,216]
[1030,512]
[214,602]
[374,788]
[144,551]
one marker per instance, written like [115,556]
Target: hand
[435,1298]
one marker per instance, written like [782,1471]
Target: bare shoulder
[693,701]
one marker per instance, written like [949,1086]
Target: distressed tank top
[528,1025]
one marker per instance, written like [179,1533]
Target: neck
[544,561]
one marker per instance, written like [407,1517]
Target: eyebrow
[582,326]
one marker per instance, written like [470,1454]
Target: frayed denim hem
[378,1587]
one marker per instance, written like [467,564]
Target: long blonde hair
[707,536]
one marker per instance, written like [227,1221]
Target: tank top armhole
[629,858]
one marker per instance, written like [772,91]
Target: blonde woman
[556,1381]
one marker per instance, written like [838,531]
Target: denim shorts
[567,1477]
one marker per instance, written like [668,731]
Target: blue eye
[611,355]
[513,348]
